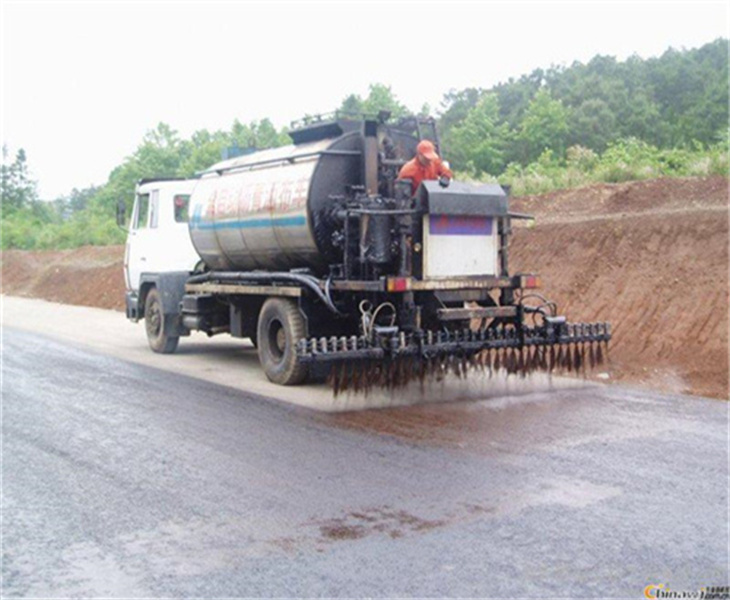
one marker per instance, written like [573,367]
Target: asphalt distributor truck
[329,263]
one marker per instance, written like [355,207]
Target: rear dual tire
[280,326]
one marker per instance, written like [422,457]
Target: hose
[369,316]
[366,316]
[545,302]
[327,286]
[380,307]
[540,308]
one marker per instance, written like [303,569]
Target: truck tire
[154,322]
[280,327]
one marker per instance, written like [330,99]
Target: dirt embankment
[651,257]
[89,276]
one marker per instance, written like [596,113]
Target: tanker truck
[330,264]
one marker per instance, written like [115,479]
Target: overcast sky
[83,81]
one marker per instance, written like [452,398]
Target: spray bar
[391,359]
[427,344]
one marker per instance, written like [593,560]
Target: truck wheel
[280,327]
[154,321]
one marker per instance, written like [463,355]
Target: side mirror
[121,213]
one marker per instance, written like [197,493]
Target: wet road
[120,480]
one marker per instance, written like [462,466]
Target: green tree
[545,126]
[592,125]
[478,143]
[454,108]
[17,190]
[515,96]
[352,105]
[23,215]
[258,135]
[380,97]
[202,150]
[455,105]
[643,119]
[160,152]
[64,207]
[265,135]
[159,155]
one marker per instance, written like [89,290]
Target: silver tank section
[269,210]
[272,210]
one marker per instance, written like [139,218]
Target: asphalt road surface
[122,480]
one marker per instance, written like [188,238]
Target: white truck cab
[158,240]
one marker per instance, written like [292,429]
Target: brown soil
[89,276]
[651,257]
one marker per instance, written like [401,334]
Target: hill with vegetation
[603,121]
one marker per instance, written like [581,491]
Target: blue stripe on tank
[251,223]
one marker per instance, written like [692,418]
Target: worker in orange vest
[425,165]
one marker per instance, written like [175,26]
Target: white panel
[457,255]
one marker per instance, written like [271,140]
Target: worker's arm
[444,171]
